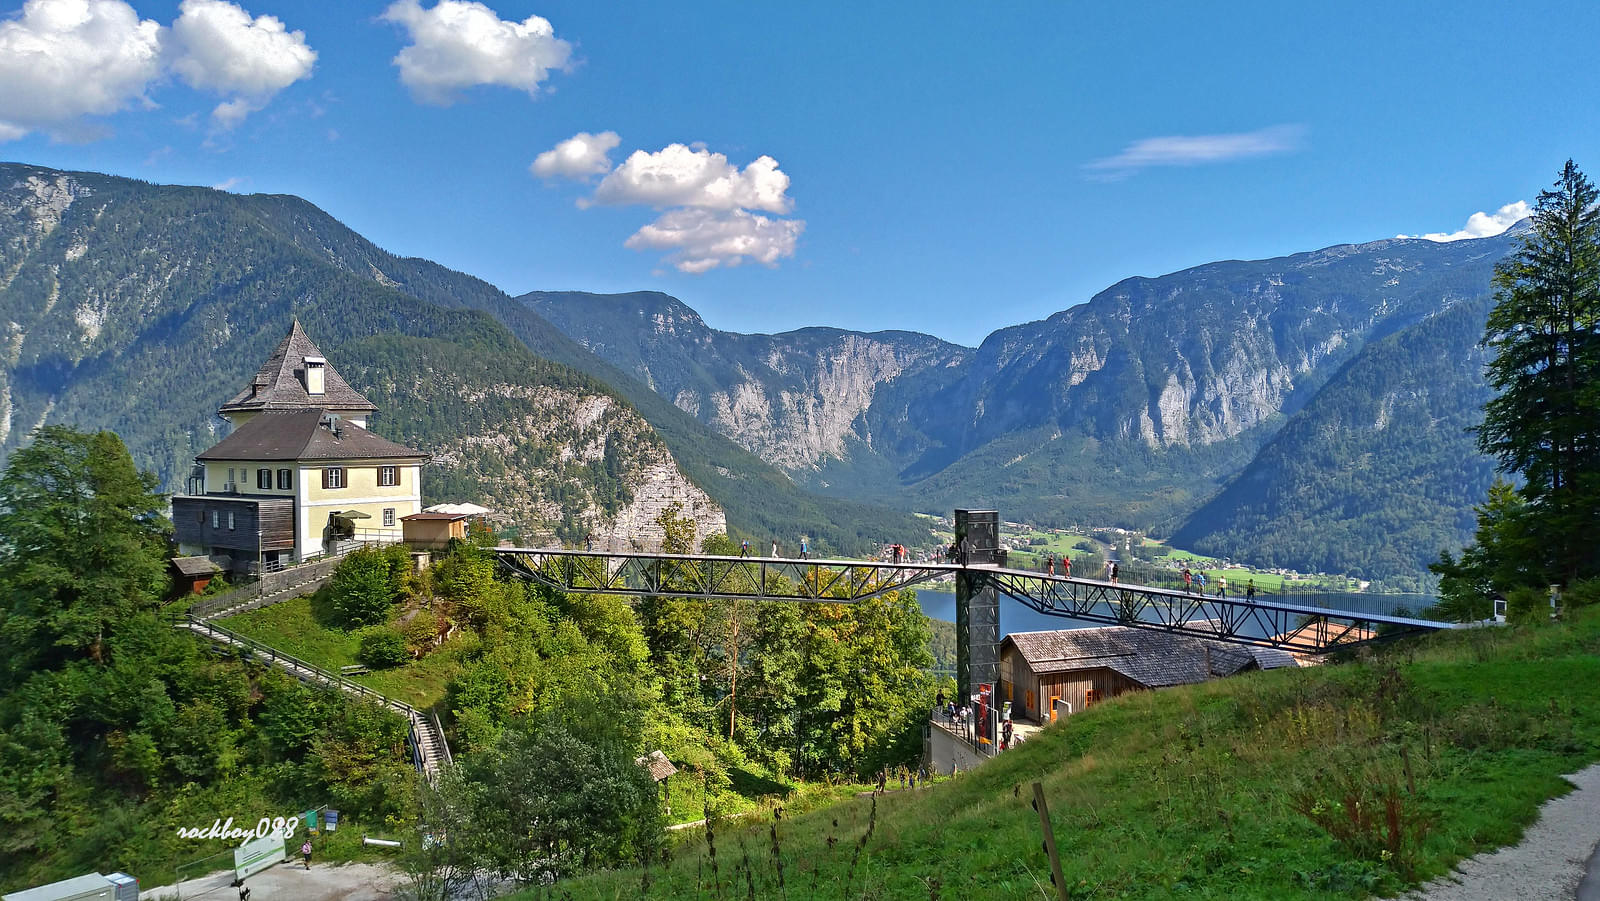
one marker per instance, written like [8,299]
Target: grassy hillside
[1274,785]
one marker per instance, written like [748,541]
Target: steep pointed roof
[280,385]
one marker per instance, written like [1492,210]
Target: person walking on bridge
[1049,565]
[744,547]
[774,547]
[1222,586]
[1200,582]
[805,548]
[1066,566]
[1250,590]
[1188,580]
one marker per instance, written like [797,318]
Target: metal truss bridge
[1275,623]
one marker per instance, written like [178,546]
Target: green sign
[310,817]
[255,856]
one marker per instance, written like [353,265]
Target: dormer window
[316,367]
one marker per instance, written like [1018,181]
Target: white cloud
[220,48]
[459,44]
[702,239]
[579,156]
[1483,225]
[228,184]
[678,175]
[1190,150]
[63,59]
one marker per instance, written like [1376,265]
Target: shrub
[1528,605]
[421,630]
[1582,593]
[366,585]
[382,648]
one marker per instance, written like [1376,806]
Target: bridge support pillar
[977,602]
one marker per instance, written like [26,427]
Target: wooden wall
[265,524]
[1030,693]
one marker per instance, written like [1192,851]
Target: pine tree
[83,543]
[1545,422]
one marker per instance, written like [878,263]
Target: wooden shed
[191,575]
[433,531]
[1084,666]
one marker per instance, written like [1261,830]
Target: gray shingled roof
[1150,657]
[195,566]
[657,765]
[303,436]
[280,384]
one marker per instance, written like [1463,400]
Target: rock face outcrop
[637,526]
[800,400]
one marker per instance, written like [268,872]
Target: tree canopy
[1543,425]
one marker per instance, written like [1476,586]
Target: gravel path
[288,881]
[1547,865]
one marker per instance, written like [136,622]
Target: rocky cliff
[802,400]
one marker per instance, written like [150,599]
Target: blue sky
[946,168]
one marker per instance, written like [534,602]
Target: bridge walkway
[1270,621]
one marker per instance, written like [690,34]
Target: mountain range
[1307,411]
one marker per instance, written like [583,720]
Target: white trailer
[92,887]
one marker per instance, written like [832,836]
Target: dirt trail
[1547,864]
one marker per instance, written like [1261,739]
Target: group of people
[805,547]
[1194,582]
[962,716]
[1050,565]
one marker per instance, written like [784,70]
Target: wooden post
[1056,879]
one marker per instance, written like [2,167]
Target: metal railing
[275,656]
[964,729]
[438,728]
[255,594]
[416,724]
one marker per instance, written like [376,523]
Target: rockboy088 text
[282,826]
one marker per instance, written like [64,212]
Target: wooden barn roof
[195,566]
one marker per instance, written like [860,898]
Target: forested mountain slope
[1378,473]
[140,309]
[104,277]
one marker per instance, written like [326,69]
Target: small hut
[191,575]
[660,769]
[433,531]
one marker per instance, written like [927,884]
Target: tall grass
[1332,782]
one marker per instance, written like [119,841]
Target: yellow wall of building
[245,477]
[375,510]
[361,481]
